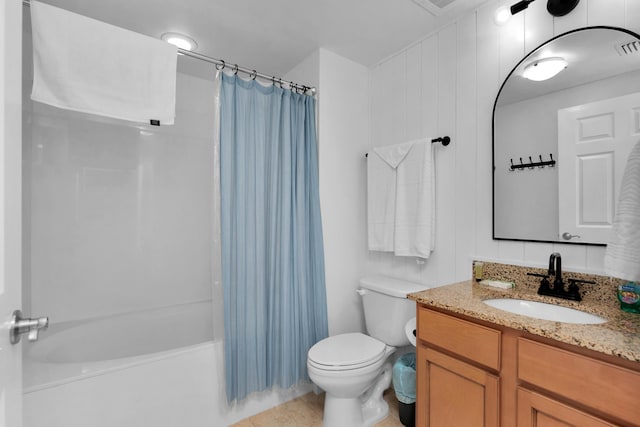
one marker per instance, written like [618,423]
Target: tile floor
[306,411]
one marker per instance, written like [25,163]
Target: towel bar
[444,139]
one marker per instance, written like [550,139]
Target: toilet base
[374,415]
[350,412]
[362,411]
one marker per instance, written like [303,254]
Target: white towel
[622,256]
[415,202]
[401,199]
[381,195]
[85,65]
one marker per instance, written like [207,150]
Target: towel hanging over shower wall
[401,199]
[85,65]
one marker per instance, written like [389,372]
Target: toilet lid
[347,350]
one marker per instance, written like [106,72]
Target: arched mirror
[560,141]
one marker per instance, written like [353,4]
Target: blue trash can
[404,384]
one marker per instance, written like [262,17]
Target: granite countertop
[620,336]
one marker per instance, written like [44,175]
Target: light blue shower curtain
[272,253]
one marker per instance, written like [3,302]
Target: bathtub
[73,350]
[160,368]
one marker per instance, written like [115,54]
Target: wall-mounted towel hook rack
[531,165]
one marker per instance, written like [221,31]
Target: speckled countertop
[619,336]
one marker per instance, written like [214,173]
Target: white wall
[343,123]
[446,84]
[344,120]
[117,214]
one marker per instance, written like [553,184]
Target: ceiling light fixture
[180,40]
[544,69]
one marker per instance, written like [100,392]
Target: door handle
[20,325]
[569,236]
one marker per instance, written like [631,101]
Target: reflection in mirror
[560,145]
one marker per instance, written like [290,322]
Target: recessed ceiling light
[180,40]
[544,69]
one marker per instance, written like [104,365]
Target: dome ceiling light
[180,40]
[544,69]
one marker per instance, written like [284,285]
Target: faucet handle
[574,281]
[544,283]
[573,292]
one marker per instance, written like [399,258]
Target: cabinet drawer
[536,410]
[590,382]
[469,340]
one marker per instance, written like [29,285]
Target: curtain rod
[235,68]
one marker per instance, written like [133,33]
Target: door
[594,141]
[454,393]
[10,209]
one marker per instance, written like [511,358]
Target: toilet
[353,368]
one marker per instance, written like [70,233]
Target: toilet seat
[346,352]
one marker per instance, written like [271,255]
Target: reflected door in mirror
[594,141]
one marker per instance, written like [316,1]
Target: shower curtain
[272,252]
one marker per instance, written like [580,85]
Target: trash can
[404,384]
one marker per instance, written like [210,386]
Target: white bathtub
[159,368]
[73,350]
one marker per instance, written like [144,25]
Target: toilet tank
[387,309]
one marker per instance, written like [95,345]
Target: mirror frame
[493,136]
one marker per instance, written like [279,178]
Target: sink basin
[540,310]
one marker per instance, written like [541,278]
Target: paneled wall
[343,101]
[446,84]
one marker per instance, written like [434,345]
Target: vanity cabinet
[460,390]
[470,373]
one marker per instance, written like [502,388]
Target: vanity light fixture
[520,6]
[180,40]
[544,69]
[554,7]
[561,7]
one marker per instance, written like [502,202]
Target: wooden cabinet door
[536,410]
[454,393]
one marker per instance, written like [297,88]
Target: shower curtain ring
[235,70]
[253,75]
[223,65]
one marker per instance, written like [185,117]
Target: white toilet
[352,368]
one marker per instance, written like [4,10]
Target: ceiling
[274,36]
